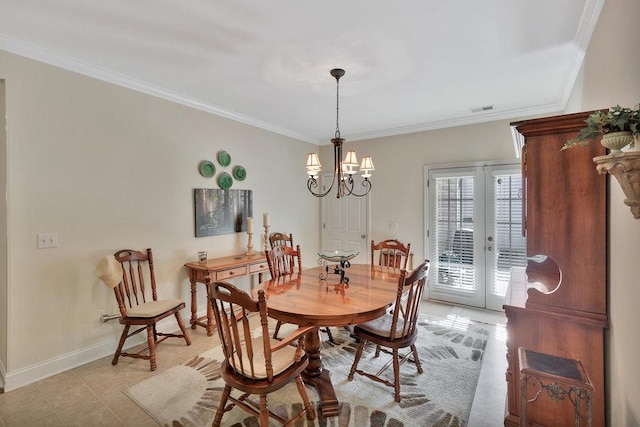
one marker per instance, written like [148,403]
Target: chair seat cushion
[382,326]
[281,359]
[153,308]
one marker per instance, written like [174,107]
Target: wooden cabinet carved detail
[558,304]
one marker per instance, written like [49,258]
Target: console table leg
[194,305]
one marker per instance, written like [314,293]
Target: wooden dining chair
[391,254]
[255,366]
[396,329]
[139,304]
[284,260]
[280,239]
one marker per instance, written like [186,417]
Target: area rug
[451,351]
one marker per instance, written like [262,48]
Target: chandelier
[343,171]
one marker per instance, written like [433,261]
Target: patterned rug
[451,352]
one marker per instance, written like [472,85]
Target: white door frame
[480,221]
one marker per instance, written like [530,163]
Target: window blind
[454,225]
[509,244]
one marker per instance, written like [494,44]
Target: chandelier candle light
[343,171]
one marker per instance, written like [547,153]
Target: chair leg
[264,411]
[277,330]
[223,401]
[311,414]
[356,359]
[123,338]
[329,334]
[416,359]
[151,342]
[378,348]
[185,334]
[396,374]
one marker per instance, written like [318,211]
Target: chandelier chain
[337,134]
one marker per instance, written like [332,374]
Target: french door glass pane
[454,223]
[509,245]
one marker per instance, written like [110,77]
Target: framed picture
[221,211]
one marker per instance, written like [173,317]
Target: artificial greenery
[617,119]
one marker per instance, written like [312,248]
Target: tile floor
[91,395]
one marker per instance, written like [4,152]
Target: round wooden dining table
[317,297]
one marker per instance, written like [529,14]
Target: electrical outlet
[47,240]
[393,225]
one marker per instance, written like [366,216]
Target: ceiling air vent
[483,108]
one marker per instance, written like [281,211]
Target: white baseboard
[30,374]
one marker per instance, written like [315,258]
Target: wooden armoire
[558,304]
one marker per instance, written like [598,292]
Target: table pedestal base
[315,375]
[324,387]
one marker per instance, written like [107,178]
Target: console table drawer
[232,272]
[256,268]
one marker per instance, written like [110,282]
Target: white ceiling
[410,65]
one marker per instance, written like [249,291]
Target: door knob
[363,236]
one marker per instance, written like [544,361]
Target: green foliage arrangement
[617,119]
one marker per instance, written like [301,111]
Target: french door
[474,232]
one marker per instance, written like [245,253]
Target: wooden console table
[221,269]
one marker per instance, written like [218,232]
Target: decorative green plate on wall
[239,173]
[224,158]
[225,181]
[207,169]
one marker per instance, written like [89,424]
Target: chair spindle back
[392,254]
[137,270]
[407,306]
[282,260]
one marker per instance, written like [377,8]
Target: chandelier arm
[312,183]
[365,183]
[347,186]
[337,170]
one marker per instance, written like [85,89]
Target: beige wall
[612,76]
[109,168]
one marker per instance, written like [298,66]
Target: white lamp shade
[313,163]
[351,159]
[367,164]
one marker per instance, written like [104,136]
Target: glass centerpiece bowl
[339,256]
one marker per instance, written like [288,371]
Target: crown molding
[37,53]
